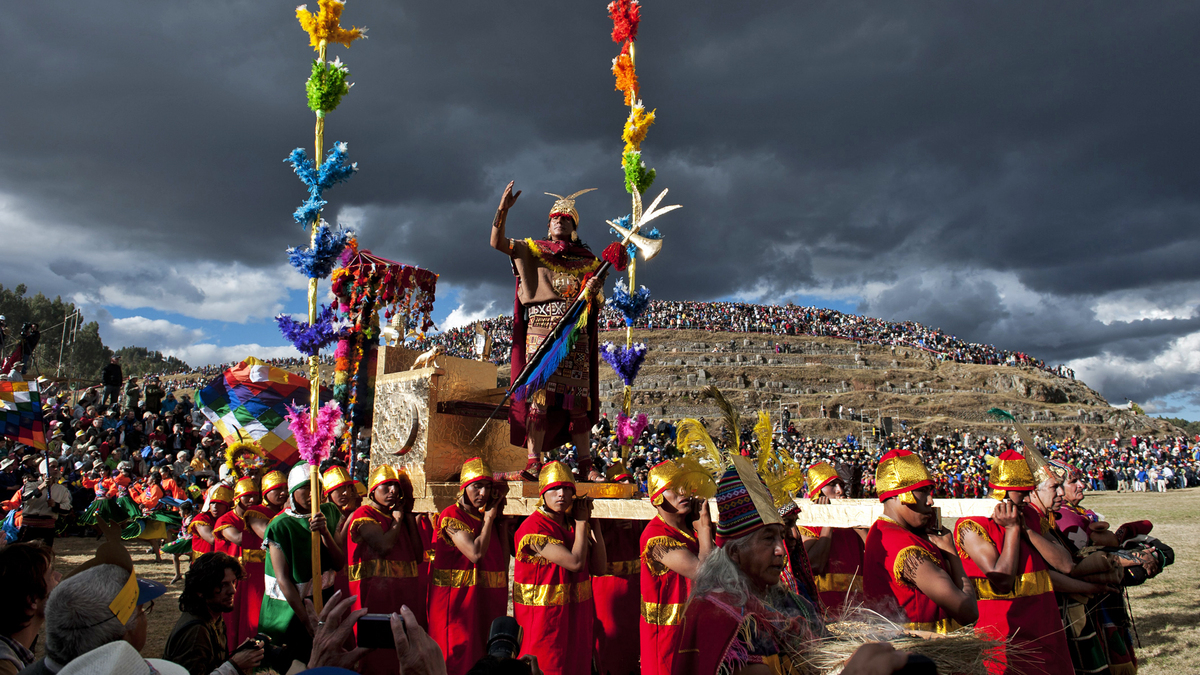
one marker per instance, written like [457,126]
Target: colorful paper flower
[317,262]
[636,126]
[626,77]
[327,85]
[625,361]
[625,15]
[326,24]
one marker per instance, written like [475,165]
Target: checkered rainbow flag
[250,400]
[21,413]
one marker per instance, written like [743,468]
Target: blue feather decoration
[332,171]
[630,305]
[318,262]
[554,355]
[308,338]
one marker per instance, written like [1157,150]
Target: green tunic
[290,533]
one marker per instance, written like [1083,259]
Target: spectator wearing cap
[27,576]
[92,607]
[198,641]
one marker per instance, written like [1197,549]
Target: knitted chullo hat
[1010,471]
[744,503]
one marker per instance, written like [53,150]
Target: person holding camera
[198,641]
[673,545]
[383,557]
[1011,578]
[469,580]
[559,547]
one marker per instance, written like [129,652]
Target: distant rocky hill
[869,382]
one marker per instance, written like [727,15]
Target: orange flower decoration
[325,24]
[626,77]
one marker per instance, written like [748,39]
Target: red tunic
[383,584]
[889,547]
[843,571]
[427,535]
[617,600]
[200,545]
[465,598]
[664,597]
[553,606]
[1029,614]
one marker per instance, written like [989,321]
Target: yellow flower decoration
[636,126]
[324,25]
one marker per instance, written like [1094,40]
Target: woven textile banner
[21,412]
[250,400]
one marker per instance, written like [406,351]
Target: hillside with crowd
[780,320]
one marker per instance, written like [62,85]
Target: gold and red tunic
[1028,614]
[239,624]
[465,597]
[889,558]
[383,584]
[843,577]
[618,600]
[553,605]
[200,545]
[664,595]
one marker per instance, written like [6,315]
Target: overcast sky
[1019,173]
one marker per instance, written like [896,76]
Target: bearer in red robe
[382,558]
[672,547]
[903,569]
[1011,579]
[557,552]
[216,504]
[615,592]
[339,489]
[238,540]
[835,553]
[470,569]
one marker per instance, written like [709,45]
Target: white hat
[299,476]
[119,658]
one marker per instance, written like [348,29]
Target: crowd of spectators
[958,461]
[781,320]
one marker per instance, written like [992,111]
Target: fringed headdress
[565,206]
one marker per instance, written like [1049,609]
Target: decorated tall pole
[626,15]
[325,88]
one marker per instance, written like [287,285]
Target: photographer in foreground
[198,640]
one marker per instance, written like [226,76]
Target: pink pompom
[315,447]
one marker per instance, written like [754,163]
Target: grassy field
[1165,608]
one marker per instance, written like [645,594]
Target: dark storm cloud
[842,146]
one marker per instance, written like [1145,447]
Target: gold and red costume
[554,606]
[242,622]
[465,598]
[843,576]
[617,600]
[893,553]
[383,584]
[664,595]
[1028,614]
[200,546]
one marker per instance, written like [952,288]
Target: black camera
[504,640]
[273,656]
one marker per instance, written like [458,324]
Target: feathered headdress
[733,419]
[566,205]
[782,475]
[245,458]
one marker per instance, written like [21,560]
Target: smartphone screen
[375,632]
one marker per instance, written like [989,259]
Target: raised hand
[509,197]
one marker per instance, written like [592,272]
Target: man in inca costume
[551,273]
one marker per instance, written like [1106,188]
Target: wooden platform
[846,513]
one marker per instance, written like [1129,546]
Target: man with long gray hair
[740,619]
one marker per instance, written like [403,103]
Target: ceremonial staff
[556,343]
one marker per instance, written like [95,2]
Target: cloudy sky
[1017,173]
